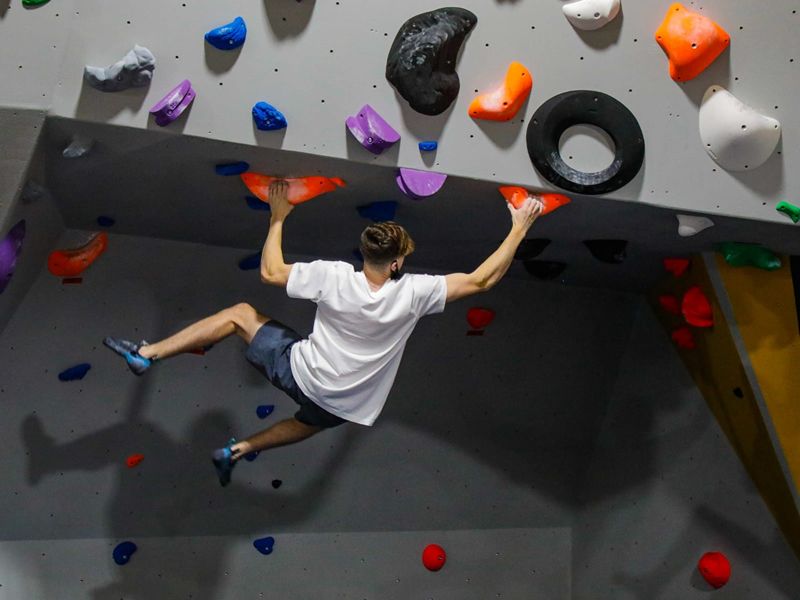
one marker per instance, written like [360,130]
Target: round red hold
[478,318]
[715,569]
[684,338]
[133,460]
[670,304]
[696,308]
[433,557]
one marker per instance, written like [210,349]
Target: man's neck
[375,278]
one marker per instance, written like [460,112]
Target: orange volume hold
[503,103]
[301,189]
[691,41]
[74,261]
[516,196]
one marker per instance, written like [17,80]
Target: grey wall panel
[319,61]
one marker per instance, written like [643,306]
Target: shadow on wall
[220,61]
[4,6]
[288,18]
[104,106]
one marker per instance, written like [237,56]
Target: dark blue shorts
[269,352]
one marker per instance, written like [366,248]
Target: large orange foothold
[516,196]
[676,266]
[715,569]
[73,262]
[503,103]
[684,338]
[696,308]
[691,41]
[301,189]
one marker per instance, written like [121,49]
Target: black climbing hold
[607,251]
[544,269]
[738,392]
[588,107]
[422,61]
[276,483]
[530,249]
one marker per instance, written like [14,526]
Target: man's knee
[246,318]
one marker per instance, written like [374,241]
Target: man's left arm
[274,270]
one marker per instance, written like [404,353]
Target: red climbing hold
[301,189]
[676,266]
[480,318]
[517,195]
[684,338]
[133,460]
[715,569]
[433,557]
[72,262]
[696,308]
[670,304]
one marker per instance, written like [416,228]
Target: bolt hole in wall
[586,148]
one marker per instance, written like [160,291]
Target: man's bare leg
[289,431]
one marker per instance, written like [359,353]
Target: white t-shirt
[349,362]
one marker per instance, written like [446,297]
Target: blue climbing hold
[251,457]
[267,117]
[265,410]
[76,372]
[264,545]
[249,263]
[428,146]
[104,221]
[228,37]
[256,204]
[235,168]
[123,552]
[378,211]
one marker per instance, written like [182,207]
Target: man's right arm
[486,276]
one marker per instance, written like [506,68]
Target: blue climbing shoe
[130,352]
[224,463]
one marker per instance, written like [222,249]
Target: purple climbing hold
[420,184]
[123,552]
[256,203]
[378,211]
[74,373]
[251,262]
[265,410]
[171,106]
[234,168]
[428,146]
[10,247]
[105,221]
[371,130]
[264,545]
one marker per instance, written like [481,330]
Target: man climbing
[345,369]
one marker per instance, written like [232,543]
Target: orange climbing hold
[517,195]
[690,41]
[73,262]
[133,460]
[676,266]
[696,308]
[503,103]
[684,338]
[670,304]
[301,189]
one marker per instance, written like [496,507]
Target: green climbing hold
[790,210]
[749,255]
[34,2]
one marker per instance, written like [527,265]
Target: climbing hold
[78,146]
[229,36]
[267,117]
[516,196]
[749,255]
[31,3]
[264,410]
[173,105]
[684,338]
[251,456]
[105,221]
[256,204]
[738,392]
[10,248]
[676,266]
[715,569]
[790,210]
[480,318]
[670,304]
[591,14]
[735,135]
[422,60]
[234,168]
[696,308]
[428,146]
[264,545]
[544,269]
[135,69]
[578,107]
[123,552]
[689,225]
[33,192]
[420,184]
[301,189]
[74,373]
[371,130]
[73,262]
[690,40]
[607,251]
[378,211]
[503,103]
[530,249]
[433,557]
[133,460]
[250,262]
[276,483]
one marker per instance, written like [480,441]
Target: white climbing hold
[591,14]
[79,146]
[135,69]
[689,225]
[735,135]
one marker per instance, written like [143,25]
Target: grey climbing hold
[135,69]
[78,147]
